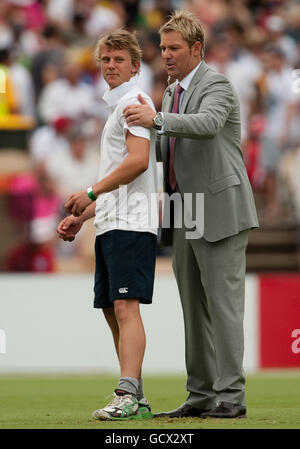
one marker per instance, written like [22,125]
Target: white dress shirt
[185,85]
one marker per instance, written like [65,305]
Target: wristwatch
[158,120]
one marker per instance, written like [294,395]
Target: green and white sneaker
[123,406]
[97,414]
[144,410]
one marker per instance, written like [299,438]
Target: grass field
[66,402]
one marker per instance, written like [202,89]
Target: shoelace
[115,401]
[127,399]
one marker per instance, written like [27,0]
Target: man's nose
[166,54]
[111,64]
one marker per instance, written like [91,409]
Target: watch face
[159,120]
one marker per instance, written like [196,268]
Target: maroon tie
[175,108]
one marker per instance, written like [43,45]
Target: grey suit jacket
[207,156]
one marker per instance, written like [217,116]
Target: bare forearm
[125,173]
[89,212]
[79,204]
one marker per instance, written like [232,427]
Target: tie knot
[179,89]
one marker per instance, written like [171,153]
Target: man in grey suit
[199,144]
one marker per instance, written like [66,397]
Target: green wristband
[91,194]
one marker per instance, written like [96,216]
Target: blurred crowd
[46,53]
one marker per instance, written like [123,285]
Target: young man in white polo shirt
[126,222]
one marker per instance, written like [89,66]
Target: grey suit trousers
[211,283]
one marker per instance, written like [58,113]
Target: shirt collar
[112,96]
[187,80]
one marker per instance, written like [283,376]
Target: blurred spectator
[26,19]
[144,78]
[252,150]
[50,139]
[72,171]
[76,34]
[235,32]
[68,96]
[46,208]
[31,256]
[275,25]
[6,34]
[75,169]
[21,83]
[293,22]
[157,93]
[241,71]
[49,59]
[101,16]
[22,191]
[208,11]
[61,12]
[9,102]
[132,12]
[149,42]
[156,13]
[221,53]
[289,172]
[278,104]
[36,252]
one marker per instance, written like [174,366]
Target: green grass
[66,402]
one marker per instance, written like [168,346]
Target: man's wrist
[91,194]
[81,219]
[158,121]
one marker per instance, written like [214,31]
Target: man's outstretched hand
[139,114]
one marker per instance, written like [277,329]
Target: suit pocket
[224,183]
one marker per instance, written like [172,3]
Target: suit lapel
[195,80]
[168,102]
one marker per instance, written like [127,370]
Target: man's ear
[196,48]
[135,68]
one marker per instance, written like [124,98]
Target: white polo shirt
[133,207]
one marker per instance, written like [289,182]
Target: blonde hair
[188,25]
[119,40]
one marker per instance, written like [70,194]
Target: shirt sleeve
[138,131]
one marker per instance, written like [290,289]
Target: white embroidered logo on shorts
[123,290]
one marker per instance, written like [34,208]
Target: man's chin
[172,74]
[113,85]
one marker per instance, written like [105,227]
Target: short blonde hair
[188,25]
[119,40]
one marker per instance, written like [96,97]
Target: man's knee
[125,308]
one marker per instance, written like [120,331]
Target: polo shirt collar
[112,96]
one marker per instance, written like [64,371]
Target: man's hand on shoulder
[139,114]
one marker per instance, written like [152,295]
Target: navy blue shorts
[125,265]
